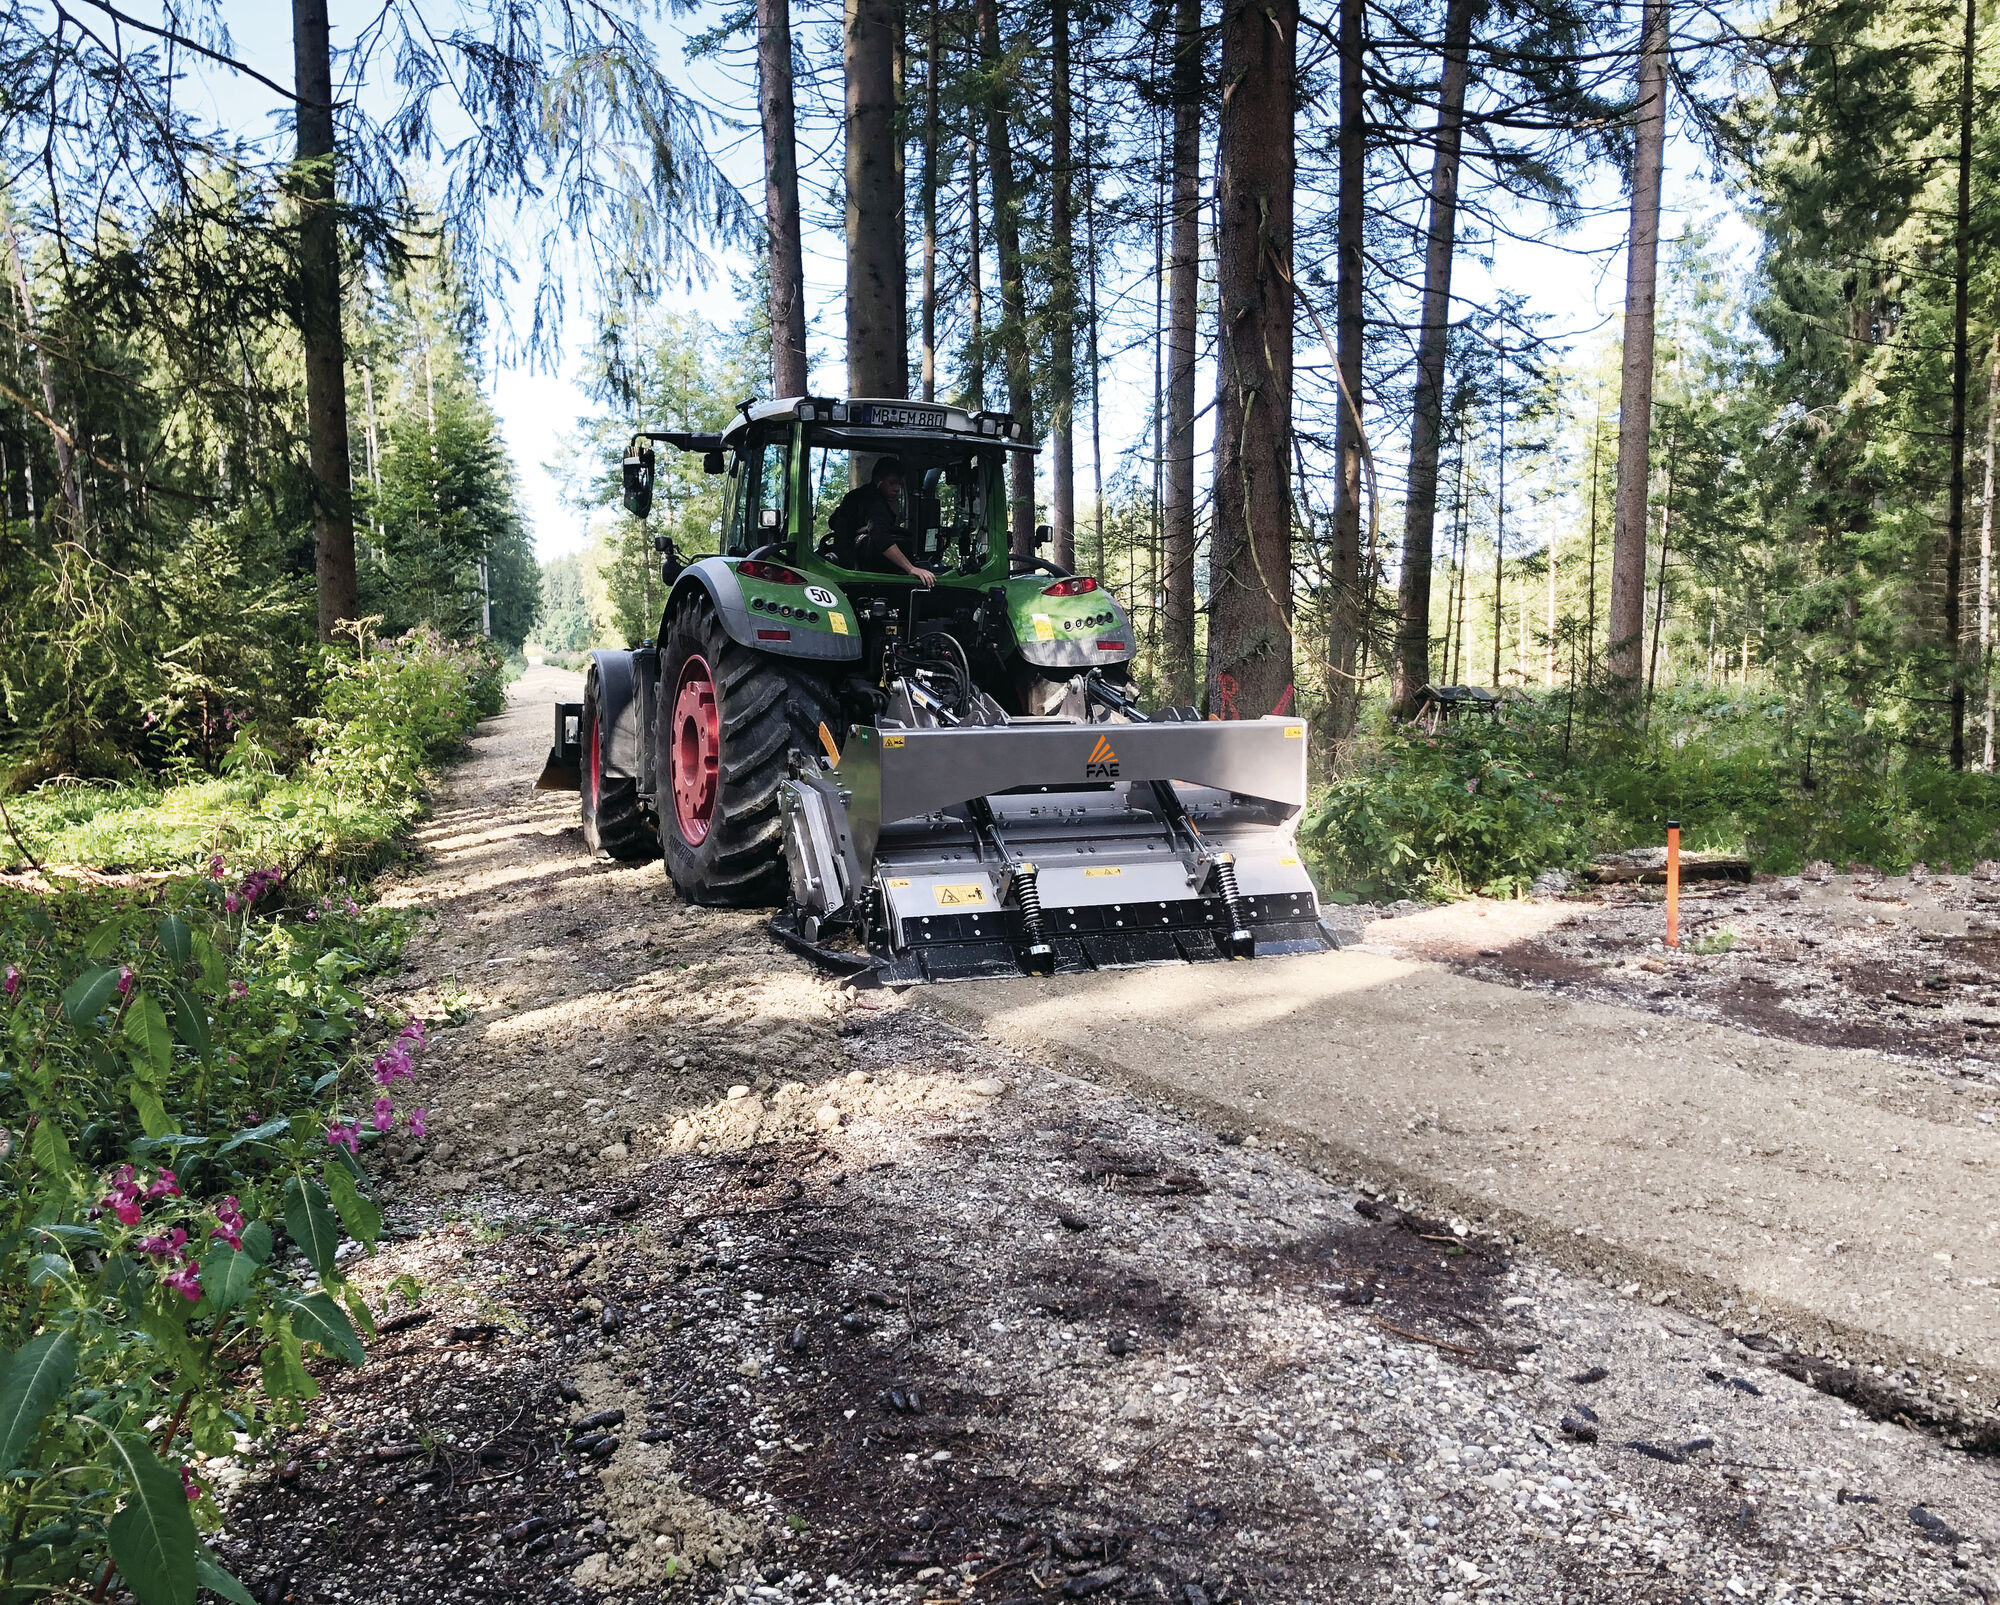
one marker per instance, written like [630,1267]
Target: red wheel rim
[694,752]
[596,767]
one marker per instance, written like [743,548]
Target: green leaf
[85,997]
[285,1374]
[268,1129]
[152,1536]
[361,1218]
[257,1241]
[357,1307]
[38,1375]
[152,1113]
[311,1223]
[226,1279]
[176,940]
[191,1024]
[318,1319]
[146,1029]
[209,1574]
[105,937]
[49,1146]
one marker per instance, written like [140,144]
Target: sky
[1576,283]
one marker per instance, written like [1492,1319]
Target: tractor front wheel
[614,821]
[730,718]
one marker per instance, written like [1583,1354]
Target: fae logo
[1102,763]
[820,596]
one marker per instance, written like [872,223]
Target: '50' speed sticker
[820,596]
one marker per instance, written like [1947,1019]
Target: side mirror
[639,483]
[1042,534]
[712,463]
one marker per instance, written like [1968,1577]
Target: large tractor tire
[613,820]
[730,718]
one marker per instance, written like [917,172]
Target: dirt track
[1717,1167]
[883,1311]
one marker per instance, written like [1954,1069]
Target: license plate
[903,417]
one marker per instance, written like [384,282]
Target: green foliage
[186,1086]
[1443,816]
[388,715]
[1483,807]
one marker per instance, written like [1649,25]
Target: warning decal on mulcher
[1102,763]
[970,895]
[1095,874]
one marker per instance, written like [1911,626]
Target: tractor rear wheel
[614,822]
[730,718]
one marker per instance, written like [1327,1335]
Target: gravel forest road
[1855,1199]
[718,1282]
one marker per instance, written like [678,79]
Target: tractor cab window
[758,497]
[946,499]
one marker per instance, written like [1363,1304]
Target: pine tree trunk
[933,56]
[1344,565]
[1413,600]
[320,328]
[72,482]
[1179,680]
[786,266]
[1062,297]
[1627,626]
[1986,548]
[876,289]
[1961,373]
[1250,639]
[1013,294]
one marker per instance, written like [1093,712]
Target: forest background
[1745,582]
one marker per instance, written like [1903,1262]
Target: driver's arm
[895,555]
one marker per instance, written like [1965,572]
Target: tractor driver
[871,512]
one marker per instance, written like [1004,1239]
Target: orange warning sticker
[1094,874]
[972,894]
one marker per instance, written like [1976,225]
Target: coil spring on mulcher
[1027,887]
[1232,899]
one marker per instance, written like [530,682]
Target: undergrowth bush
[185,1092]
[189,1075]
[386,717]
[1484,805]
[1460,812]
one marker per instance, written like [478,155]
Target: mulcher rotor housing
[938,783]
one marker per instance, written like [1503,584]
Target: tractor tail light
[1081,585]
[776,573]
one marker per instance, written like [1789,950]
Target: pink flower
[239,989]
[230,1227]
[171,1246]
[412,1033]
[193,1488]
[123,1199]
[187,1282]
[229,902]
[167,1186]
[124,980]
[416,1123]
[12,985]
[345,1134]
[385,1115]
[392,1065]
[215,867]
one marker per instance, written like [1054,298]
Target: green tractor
[935,775]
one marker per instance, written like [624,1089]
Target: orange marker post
[1673,883]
